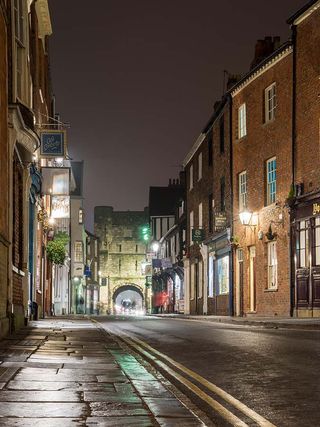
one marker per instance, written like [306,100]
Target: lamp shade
[245,217]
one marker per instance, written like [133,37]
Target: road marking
[261,421]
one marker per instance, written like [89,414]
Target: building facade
[305,200]
[262,176]
[208,261]
[92,273]
[122,256]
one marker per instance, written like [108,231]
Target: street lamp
[245,218]
[155,246]
[51,221]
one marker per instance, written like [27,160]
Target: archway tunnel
[128,299]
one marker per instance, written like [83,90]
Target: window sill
[271,290]
[17,271]
[242,138]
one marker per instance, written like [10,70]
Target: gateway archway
[128,299]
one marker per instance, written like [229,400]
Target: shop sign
[52,143]
[166,263]
[87,271]
[220,221]
[197,235]
[149,280]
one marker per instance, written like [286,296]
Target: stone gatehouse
[122,257]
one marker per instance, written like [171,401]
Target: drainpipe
[231,267]
[293,161]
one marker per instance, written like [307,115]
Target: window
[242,191]
[136,266]
[222,272]
[242,121]
[191,178]
[271,180]
[95,271]
[270,102]
[136,248]
[120,248]
[192,277]
[272,265]
[78,252]
[210,202]
[317,242]
[222,194]
[19,25]
[199,166]
[119,265]
[19,20]
[211,278]
[303,244]
[191,226]
[200,215]
[221,128]
[181,208]
[80,216]
[210,148]
[200,282]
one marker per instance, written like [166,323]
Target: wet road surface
[71,373]
[275,372]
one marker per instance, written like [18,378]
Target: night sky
[137,80]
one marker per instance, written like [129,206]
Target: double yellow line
[154,355]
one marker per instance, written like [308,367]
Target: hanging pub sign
[220,221]
[198,235]
[53,143]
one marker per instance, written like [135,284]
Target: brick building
[4,177]
[305,213]
[208,264]
[262,177]
[122,254]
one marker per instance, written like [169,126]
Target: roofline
[205,130]
[304,12]
[279,54]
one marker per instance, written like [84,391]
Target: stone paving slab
[62,373]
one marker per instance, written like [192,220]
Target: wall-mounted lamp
[155,246]
[245,218]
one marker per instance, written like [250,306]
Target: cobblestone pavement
[69,373]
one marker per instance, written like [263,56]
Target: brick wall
[308,102]
[264,141]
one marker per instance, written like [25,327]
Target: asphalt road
[276,372]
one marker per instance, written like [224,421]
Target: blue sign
[53,143]
[87,271]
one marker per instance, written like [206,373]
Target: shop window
[192,277]
[272,265]
[303,244]
[211,278]
[200,284]
[317,242]
[222,271]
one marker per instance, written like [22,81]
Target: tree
[56,248]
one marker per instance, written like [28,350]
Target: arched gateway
[128,297]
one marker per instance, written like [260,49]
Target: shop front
[305,229]
[219,275]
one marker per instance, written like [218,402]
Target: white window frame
[191,224]
[191,177]
[243,191]
[272,266]
[200,215]
[271,181]
[78,251]
[199,166]
[200,279]
[242,121]
[270,102]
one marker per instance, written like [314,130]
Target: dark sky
[137,80]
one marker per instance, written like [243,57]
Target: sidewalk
[266,322]
[67,372]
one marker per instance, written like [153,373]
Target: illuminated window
[242,121]
[272,265]
[271,180]
[78,252]
[80,216]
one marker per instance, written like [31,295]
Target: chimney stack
[264,48]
